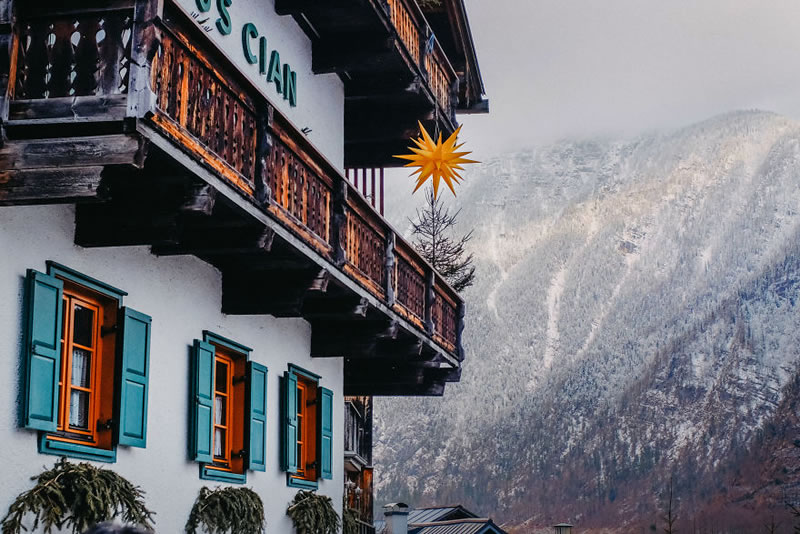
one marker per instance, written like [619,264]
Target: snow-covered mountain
[636,317]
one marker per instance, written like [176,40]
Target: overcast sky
[559,68]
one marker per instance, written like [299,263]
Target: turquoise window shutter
[42,350]
[202,399]
[325,433]
[257,417]
[289,449]
[133,363]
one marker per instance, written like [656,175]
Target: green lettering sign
[203,5]
[274,72]
[249,31]
[290,85]
[224,21]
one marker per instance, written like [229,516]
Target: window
[228,424]
[306,429]
[307,441]
[82,344]
[85,399]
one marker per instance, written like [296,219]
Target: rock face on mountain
[636,319]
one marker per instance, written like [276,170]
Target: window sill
[209,473]
[75,450]
[294,482]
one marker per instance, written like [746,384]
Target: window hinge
[311,402]
[108,424]
[105,330]
[239,379]
[312,465]
[240,454]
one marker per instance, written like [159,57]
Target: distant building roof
[474,525]
[445,520]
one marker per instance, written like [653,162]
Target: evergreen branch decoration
[349,519]
[77,496]
[313,514]
[226,510]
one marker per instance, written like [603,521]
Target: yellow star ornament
[438,160]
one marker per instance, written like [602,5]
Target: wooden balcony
[394,70]
[121,108]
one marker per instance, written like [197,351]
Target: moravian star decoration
[437,160]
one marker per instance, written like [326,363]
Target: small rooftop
[453,519]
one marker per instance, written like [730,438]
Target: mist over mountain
[634,319]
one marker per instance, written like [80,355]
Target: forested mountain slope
[635,318]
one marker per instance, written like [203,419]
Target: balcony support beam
[49,185]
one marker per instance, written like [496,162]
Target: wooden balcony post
[390,244]
[460,314]
[454,86]
[8,61]
[264,146]
[424,36]
[339,222]
[146,41]
[430,299]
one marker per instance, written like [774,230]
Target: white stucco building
[193,286]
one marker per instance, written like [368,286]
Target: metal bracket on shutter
[106,330]
[241,454]
[108,424]
[239,379]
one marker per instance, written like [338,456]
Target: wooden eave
[386,89]
[140,176]
[451,25]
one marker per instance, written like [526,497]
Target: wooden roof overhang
[449,21]
[394,73]
[210,169]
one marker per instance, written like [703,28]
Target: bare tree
[772,526]
[433,238]
[796,512]
[670,517]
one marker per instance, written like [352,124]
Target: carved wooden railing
[407,27]
[198,100]
[73,56]
[417,37]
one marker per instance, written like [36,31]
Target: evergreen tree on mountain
[432,231]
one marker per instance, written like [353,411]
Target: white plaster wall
[320,98]
[183,296]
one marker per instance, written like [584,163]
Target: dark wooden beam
[69,109]
[49,185]
[335,308]
[72,152]
[351,53]
[426,389]
[332,339]
[105,225]
[200,199]
[390,90]
[281,294]
[219,243]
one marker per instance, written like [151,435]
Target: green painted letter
[224,21]
[249,31]
[290,85]
[274,72]
[262,55]
[203,5]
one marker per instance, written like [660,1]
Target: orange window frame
[306,429]
[65,386]
[231,459]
